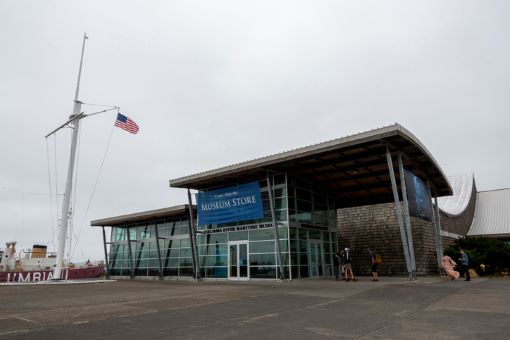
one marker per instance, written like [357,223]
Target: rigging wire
[95,184]
[101,105]
[106,110]
[56,179]
[51,196]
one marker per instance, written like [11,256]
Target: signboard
[233,204]
[238,228]
[418,196]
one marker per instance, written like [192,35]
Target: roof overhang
[143,217]
[352,169]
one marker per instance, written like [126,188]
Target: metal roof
[462,190]
[492,214]
[146,216]
[353,169]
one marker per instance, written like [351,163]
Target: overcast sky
[211,83]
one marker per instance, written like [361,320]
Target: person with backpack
[376,261]
[346,261]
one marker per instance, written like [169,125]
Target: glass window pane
[185,252]
[153,263]
[213,249]
[186,271]
[141,264]
[294,246]
[280,203]
[262,234]
[145,232]
[153,271]
[141,271]
[213,238]
[218,260]
[283,232]
[216,272]
[132,233]
[315,234]
[304,206]
[171,271]
[302,234]
[294,258]
[303,247]
[303,271]
[284,246]
[185,262]
[171,262]
[263,272]
[262,259]
[278,179]
[238,235]
[304,194]
[185,243]
[294,233]
[327,247]
[262,247]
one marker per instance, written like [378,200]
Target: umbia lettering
[244,200]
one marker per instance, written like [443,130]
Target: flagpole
[64,221]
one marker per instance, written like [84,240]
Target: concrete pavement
[392,308]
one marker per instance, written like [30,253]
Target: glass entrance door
[238,262]
[315,258]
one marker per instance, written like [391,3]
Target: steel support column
[159,251]
[407,218]
[106,254]
[193,239]
[273,216]
[130,254]
[398,212]
[438,227]
[437,235]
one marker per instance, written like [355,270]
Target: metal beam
[398,212]
[193,239]
[130,254]
[438,226]
[107,275]
[436,234]
[159,251]
[273,215]
[407,218]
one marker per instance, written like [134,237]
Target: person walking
[346,261]
[336,264]
[375,261]
[464,262]
[448,266]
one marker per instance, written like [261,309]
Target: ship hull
[90,272]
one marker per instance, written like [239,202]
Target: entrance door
[238,262]
[315,258]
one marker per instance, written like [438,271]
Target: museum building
[284,216]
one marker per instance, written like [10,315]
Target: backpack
[378,260]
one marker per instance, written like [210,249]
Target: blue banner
[233,204]
[418,196]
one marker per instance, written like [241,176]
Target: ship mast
[74,119]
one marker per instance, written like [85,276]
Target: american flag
[126,124]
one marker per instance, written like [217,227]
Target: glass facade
[174,245]
[306,219]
